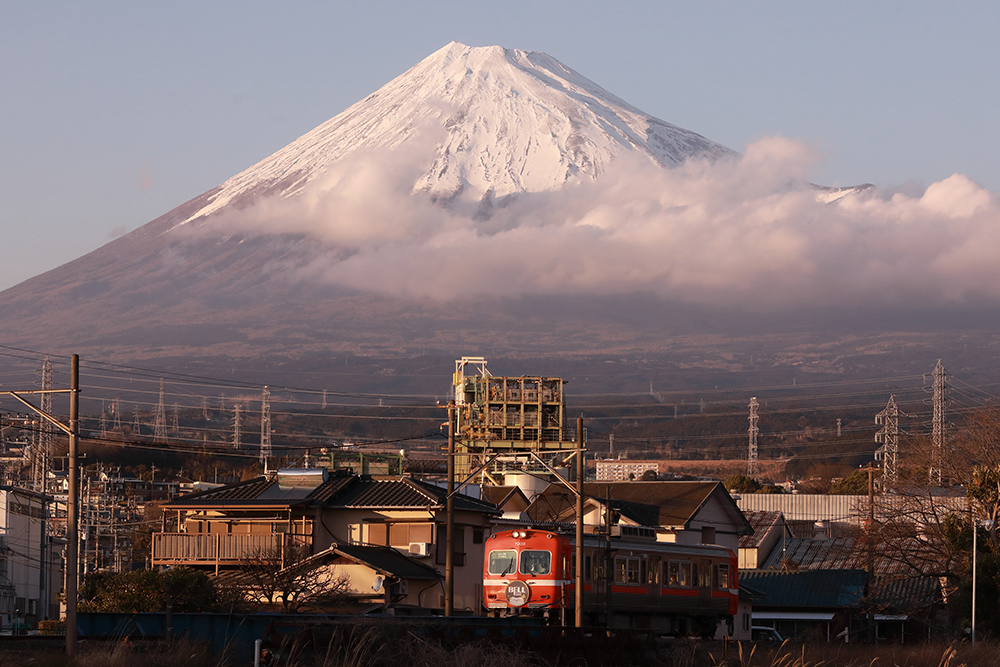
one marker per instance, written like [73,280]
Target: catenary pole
[581,471]
[72,507]
[449,557]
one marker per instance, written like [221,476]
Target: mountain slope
[485,120]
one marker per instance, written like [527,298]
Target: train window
[653,571]
[722,576]
[673,573]
[633,571]
[586,568]
[502,562]
[686,579]
[621,570]
[536,562]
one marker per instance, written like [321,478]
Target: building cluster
[355,531]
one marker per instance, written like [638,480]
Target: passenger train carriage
[628,581]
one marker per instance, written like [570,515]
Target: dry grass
[370,647]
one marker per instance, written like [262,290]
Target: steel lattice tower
[116,412]
[160,420]
[236,426]
[45,433]
[265,426]
[176,426]
[889,438]
[940,389]
[753,468]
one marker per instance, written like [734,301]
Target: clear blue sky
[113,113]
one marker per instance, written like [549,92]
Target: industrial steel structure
[507,424]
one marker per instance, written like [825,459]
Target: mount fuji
[462,170]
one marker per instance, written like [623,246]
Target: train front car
[526,572]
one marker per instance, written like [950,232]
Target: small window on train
[673,573]
[687,578]
[653,571]
[536,562]
[722,576]
[621,570]
[633,570]
[502,562]
[587,568]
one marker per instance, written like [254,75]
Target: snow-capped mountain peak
[502,121]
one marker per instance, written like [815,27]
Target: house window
[746,622]
[458,548]
[378,533]
[708,534]
[477,535]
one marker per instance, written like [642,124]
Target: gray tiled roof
[388,561]
[339,490]
[825,589]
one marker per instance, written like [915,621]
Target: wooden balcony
[218,549]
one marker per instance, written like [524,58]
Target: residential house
[328,516]
[813,605]
[31,565]
[683,512]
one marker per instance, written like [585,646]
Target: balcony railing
[217,549]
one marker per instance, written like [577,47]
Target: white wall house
[31,564]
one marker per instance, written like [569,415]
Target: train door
[704,579]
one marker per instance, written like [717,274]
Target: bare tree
[295,583]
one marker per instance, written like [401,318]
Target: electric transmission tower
[45,433]
[204,408]
[888,436]
[236,425]
[753,468]
[160,420]
[176,426]
[940,389]
[265,426]
[116,412]
[135,420]
[104,420]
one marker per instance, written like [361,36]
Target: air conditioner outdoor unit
[420,549]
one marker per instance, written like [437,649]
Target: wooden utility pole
[581,471]
[449,556]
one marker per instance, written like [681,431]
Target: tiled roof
[339,490]
[388,561]
[646,503]
[907,556]
[824,589]
[761,522]
[904,593]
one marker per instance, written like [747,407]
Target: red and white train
[629,580]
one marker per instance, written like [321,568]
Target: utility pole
[581,471]
[753,467]
[72,502]
[871,546]
[449,556]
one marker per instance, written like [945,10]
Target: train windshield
[536,562]
[503,562]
